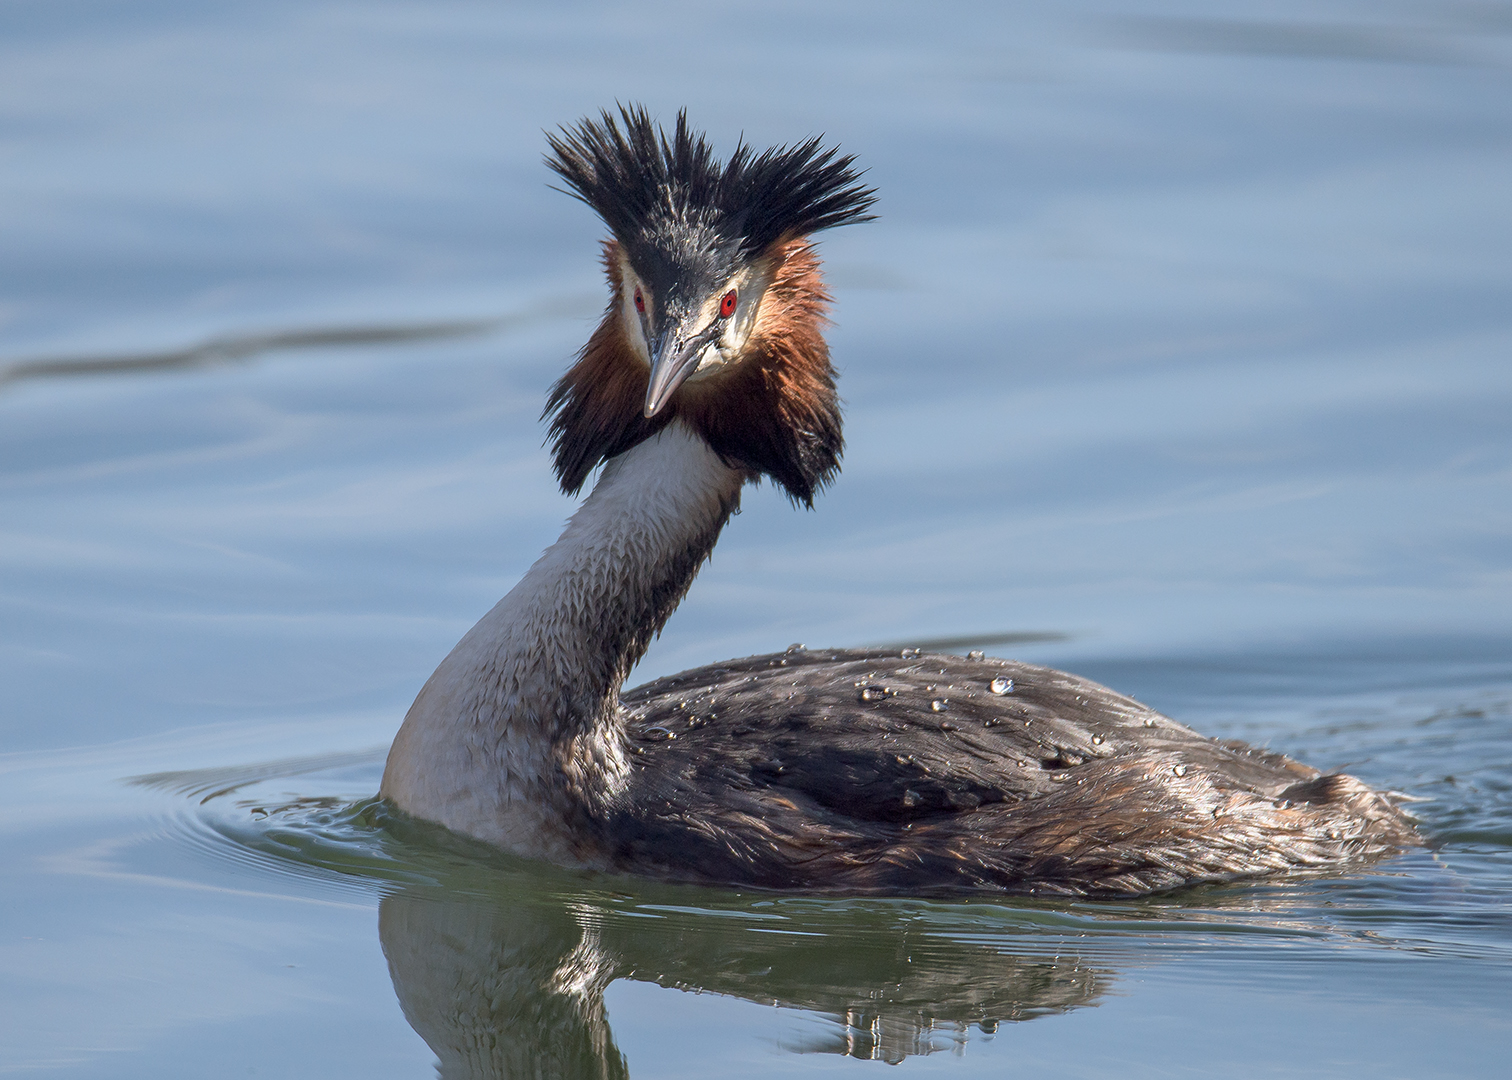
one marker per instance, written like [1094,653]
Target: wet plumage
[870,771]
[808,770]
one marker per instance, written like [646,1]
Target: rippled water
[1179,358]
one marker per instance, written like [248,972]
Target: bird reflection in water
[501,964]
[502,988]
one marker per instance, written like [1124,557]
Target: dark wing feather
[867,771]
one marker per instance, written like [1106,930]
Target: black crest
[649,188]
[686,222]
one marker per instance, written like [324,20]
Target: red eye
[640,302]
[727,305]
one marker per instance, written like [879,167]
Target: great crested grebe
[848,770]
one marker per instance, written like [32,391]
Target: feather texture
[642,183]
[865,771]
[776,414]
[854,771]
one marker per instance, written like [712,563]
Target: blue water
[1182,342]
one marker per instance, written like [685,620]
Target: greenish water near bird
[1175,359]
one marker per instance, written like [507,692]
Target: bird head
[716,312]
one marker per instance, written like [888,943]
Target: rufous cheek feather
[776,413]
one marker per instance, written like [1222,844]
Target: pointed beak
[676,357]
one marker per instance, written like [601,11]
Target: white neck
[517,735]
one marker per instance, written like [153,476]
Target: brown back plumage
[864,771]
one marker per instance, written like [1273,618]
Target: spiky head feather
[657,193]
[686,223]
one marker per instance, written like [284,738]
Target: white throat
[516,738]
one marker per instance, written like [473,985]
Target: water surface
[1178,358]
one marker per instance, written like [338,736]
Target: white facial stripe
[635,325]
[750,285]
